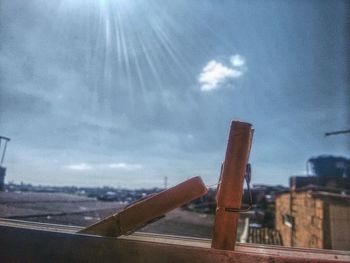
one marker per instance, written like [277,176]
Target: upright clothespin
[230,188]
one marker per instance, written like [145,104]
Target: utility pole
[2,168]
[166,182]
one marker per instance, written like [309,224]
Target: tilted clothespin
[148,209]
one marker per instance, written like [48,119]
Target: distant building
[314,218]
[2,178]
[315,211]
[267,236]
[328,165]
[329,182]
[2,168]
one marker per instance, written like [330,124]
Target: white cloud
[237,61]
[105,166]
[80,167]
[214,74]
[125,166]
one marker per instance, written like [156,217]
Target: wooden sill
[22,241]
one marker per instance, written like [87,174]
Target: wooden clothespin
[146,210]
[230,187]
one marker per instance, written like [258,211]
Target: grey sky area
[123,93]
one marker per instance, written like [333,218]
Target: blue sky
[123,93]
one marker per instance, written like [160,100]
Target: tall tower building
[5,140]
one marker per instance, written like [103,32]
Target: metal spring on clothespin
[247,177]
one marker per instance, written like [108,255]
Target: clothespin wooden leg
[146,210]
[230,188]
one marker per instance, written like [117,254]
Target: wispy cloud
[79,167]
[125,166]
[237,61]
[214,74]
[104,166]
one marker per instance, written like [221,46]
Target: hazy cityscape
[268,222]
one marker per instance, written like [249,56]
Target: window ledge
[39,242]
